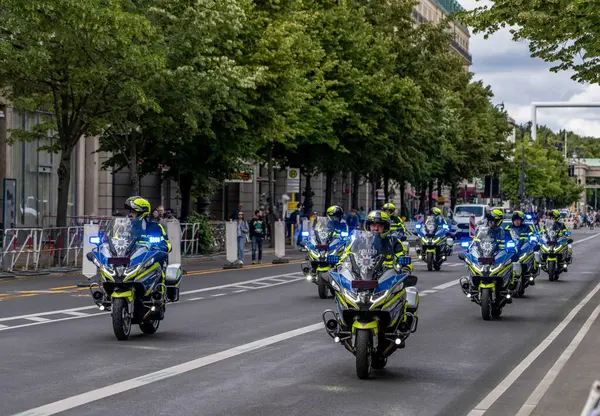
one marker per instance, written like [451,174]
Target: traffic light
[571,170]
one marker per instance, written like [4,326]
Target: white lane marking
[37,319]
[245,287]
[277,280]
[509,380]
[456,264]
[446,285]
[200,298]
[218,294]
[12,318]
[535,397]
[585,239]
[208,289]
[36,316]
[422,294]
[189,292]
[117,388]
[239,291]
[426,292]
[76,313]
[52,321]
[260,284]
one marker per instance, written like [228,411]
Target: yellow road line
[63,287]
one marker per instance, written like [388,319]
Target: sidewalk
[568,393]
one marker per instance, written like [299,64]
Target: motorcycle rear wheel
[149,327]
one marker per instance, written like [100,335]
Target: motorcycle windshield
[320,233]
[120,237]
[485,245]
[365,257]
[551,233]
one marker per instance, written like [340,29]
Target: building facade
[32,172]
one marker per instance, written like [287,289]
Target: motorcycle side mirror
[90,256]
[403,238]
[461,256]
[410,280]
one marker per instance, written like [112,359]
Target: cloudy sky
[517,80]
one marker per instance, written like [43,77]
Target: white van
[462,215]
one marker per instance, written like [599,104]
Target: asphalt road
[251,342]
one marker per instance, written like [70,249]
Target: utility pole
[522,181]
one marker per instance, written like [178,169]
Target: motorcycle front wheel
[552,275]
[121,320]
[363,353]
[322,287]
[486,304]
[429,261]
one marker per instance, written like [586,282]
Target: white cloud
[517,80]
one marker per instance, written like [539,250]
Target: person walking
[257,234]
[242,235]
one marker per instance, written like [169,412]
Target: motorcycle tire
[496,312]
[552,275]
[437,266]
[429,262]
[363,353]
[486,304]
[121,320]
[322,287]
[149,327]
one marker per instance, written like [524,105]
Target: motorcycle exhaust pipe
[331,325]
[157,295]
[97,295]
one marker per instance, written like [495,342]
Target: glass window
[36,172]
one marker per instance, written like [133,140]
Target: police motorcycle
[555,250]
[435,243]
[490,282]
[376,306]
[135,284]
[324,252]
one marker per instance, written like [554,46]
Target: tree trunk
[64,182]
[328,188]
[271,181]
[373,198]
[386,187]
[453,195]
[185,185]
[439,188]
[422,195]
[430,195]
[308,194]
[355,189]
[134,178]
[403,209]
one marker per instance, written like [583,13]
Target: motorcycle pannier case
[172,280]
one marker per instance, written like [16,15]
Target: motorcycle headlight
[376,300]
[352,296]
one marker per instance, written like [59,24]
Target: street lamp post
[522,181]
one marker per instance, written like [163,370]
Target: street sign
[441,200]
[380,194]
[292,184]
[479,186]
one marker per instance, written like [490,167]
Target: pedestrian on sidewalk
[257,234]
[242,236]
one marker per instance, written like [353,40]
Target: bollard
[231,247]
[173,229]
[279,235]
[88,269]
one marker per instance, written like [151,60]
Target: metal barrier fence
[37,249]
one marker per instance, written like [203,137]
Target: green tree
[82,60]
[563,32]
